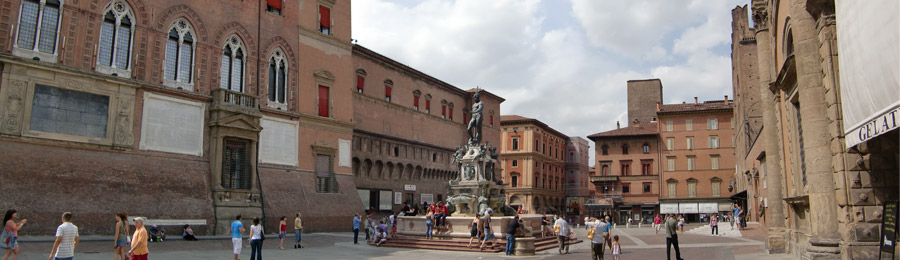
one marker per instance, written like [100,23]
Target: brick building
[407,127]
[750,157]
[698,158]
[577,177]
[533,158]
[627,177]
[131,105]
[828,86]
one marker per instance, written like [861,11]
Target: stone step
[540,244]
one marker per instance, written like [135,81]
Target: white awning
[869,58]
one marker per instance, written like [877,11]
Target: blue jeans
[256,249]
[429,228]
[510,243]
[355,235]
[297,235]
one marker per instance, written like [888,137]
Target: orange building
[697,158]
[533,159]
[627,178]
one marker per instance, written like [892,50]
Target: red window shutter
[443,110]
[416,101]
[492,119]
[465,118]
[359,82]
[325,16]
[387,91]
[451,113]
[274,4]
[323,101]
[428,104]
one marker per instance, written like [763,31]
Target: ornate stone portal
[475,190]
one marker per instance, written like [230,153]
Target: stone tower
[643,96]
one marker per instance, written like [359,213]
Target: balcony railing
[235,101]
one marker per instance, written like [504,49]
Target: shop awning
[742,195]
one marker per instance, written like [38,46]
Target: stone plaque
[278,141]
[172,125]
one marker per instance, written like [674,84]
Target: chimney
[657,106]
[696,101]
[726,99]
[617,125]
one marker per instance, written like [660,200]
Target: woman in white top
[256,231]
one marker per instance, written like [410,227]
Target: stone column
[825,239]
[775,241]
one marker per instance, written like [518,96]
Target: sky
[563,62]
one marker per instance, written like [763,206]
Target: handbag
[5,239]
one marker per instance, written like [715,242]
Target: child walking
[616,249]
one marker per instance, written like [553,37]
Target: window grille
[325,179]
[236,168]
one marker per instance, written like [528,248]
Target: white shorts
[237,243]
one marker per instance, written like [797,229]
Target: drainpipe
[258,63]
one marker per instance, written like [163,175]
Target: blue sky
[564,62]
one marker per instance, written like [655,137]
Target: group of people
[601,238]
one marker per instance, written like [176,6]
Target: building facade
[577,177]
[533,160]
[105,103]
[832,147]
[697,159]
[407,125]
[627,172]
[749,175]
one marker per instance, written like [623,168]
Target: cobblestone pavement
[637,243]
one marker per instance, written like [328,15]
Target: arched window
[115,39]
[604,170]
[38,29]
[624,148]
[277,79]
[788,45]
[646,148]
[427,103]
[443,109]
[178,66]
[605,149]
[232,70]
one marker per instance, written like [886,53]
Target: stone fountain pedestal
[461,227]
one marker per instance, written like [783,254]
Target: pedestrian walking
[298,231]
[545,225]
[11,234]
[488,229]
[736,216]
[370,227]
[429,224]
[656,222]
[282,231]
[672,237]
[139,240]
[681,223]
[256,241]
[356,222]
[616,248]
[598,239]
[561,228]
[237,239]
[511,230]
[714,224]
[477,228]
[66,239]
[608,232]
[122,235]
